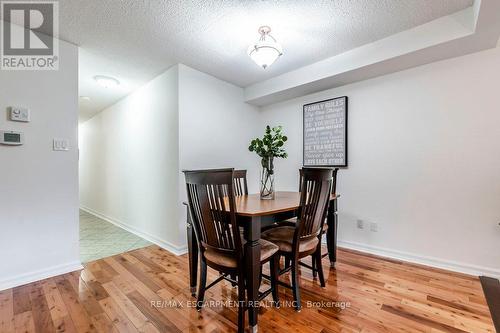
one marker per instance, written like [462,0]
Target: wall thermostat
[19,114]
[11,138]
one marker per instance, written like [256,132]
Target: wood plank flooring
[147,290]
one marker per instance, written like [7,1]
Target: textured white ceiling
[134,40]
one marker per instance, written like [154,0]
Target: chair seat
[293,220]
[267,249]
[283,237]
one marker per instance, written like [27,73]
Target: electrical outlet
[360,224]
[60,144]
[374,226]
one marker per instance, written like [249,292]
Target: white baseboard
[380,251]
[177,250]
[423,260]
[42,274]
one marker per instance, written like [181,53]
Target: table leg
[192,254]
[331,234]
[252,269]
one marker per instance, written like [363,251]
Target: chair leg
[287,262]
[275,266]
[313,265]
[241,303]
[202,285]
[233,277]
[319,266]
[260,276]
[295,284]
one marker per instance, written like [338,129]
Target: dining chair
[240,188]
[334,182]
[293,221]
[304,238]
[325,225]
[240,182]
[220,242]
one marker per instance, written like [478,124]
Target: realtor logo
[27,37]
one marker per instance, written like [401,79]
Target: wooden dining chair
[304,239]
[325,225]
[240,182]
[220,243]
[334,182]
[240,188]
[293,221]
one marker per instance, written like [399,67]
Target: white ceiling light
[106,81]
[266,50]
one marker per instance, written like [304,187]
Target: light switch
[60,145]
[19,114]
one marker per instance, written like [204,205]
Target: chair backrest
[212,206]
[240,183]
[334,183]
[314,199]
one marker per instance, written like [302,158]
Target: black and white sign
[325,133]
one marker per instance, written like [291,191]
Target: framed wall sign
[325,133]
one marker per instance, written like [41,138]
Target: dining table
[253,214]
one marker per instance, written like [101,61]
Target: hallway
[100,239]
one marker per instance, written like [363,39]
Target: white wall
[423,159]
[424,162]
[132,153]
[129,162]
[216,127]
[38,186]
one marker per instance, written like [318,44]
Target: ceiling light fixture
[266,50]
[106,81]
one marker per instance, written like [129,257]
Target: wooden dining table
[252,214]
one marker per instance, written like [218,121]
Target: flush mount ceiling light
[106,81]
[266,50]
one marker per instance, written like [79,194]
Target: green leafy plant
[269,147]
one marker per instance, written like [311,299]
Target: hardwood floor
[147,290]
